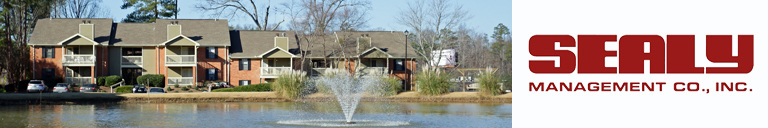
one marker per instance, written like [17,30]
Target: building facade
[190,52]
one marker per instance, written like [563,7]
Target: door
[130,75]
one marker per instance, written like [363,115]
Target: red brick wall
[252,75]
[41,63]
[204,63]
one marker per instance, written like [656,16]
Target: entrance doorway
[130,75]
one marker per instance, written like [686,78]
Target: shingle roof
[53,30]
[206,32]
[249,44]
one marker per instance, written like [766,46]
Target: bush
[152,80]
[176,91]
[389,86]
[489,83]
[195,87]
[111,80]
[433,82]
[176,85]
[169,89]
[2,90]
[184,88]
[263,87]
[124,89]
[290,84]
[101,80]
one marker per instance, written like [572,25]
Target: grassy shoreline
[87,98]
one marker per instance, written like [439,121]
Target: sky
[486,14]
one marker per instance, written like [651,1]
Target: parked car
[219,85]
[156,90]
[36,86]
[61,87]
[88,88]
[139,89]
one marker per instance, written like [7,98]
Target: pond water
[253,114]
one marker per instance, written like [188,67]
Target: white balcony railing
[79,59]
[180,80]
[78,80]
[132,60]
[180,59]
[366,71]
[274,71]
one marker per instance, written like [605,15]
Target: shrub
[152,80]
[263,87]
[290,84]
[2,90]
[176,91]
[389,85]
[489,83]
[176,85]
[124,89]
[195,87]
[190,91]
[169,89]
[432,82]
[184,88]
[100,80]
[111,80]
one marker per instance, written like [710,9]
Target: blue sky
[486,13]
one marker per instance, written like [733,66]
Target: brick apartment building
[192,51]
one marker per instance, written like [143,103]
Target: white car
[36,86]
[61,87]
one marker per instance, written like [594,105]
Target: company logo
[673,55]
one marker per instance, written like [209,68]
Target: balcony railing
[180,80]
[132,60]
[366,71]
[79,59]
[180,59]
[274,71]
[78,80]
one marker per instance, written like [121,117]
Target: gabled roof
[273,49]
[250,44]
[182,37]
[73,37]
[51,31]
[371,50]
[205,32]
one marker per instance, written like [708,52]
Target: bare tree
[313,21]
[79,9]
[431,22]
[234,7]
[324,15]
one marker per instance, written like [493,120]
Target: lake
[252,114]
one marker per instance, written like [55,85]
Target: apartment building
[192,51]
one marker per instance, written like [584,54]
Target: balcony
[318,71]
[78,80]
[367,71]
[273,72]
[81,60]
[133,60]
[180,60]
[181,80]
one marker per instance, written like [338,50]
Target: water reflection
[248,114]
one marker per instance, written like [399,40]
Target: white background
[640,109]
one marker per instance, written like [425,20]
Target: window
[73,50]
[399,65]
[48,52]
[245,82]
[49,73]
[245,64]
[374,63]
[210,52]
[210,74]
[131,51]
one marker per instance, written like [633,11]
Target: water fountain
[347,92]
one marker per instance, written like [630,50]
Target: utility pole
[176,10]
